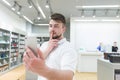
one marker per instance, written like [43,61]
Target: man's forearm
[46,53]
[54,74]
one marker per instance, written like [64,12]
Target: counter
[87,61]
[106,70]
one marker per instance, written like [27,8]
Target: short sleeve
[69,60]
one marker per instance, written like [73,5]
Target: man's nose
[52,28]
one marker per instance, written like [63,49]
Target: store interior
[89,23]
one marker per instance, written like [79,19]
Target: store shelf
[12,46]
[4,49]
[40,40]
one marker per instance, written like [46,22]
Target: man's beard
[56,37]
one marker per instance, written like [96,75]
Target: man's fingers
[26,61]
[40,54]
[55,40]
[30,53]
[51,35]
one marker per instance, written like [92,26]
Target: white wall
[28,28]
[87,35]
[40,29]
[8,19]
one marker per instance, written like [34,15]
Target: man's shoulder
[67,44]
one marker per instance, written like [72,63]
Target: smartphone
[31,42]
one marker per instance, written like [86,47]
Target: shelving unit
[4,49]
[12,47]
[21,47]
[40,40]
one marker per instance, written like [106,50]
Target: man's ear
[64,28]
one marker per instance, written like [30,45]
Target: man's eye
[50,26]
[56,26]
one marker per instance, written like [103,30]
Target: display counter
[106,70]
[87,61]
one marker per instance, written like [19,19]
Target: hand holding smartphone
[31,42]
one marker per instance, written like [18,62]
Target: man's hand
[52,44]
[38,66]
[33,63]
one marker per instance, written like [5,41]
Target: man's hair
[58,17]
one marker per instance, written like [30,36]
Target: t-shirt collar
[62,41]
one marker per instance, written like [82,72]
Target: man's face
[115,44]
[56,28]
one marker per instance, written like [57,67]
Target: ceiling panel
[66,7]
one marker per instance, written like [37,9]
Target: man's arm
[53,43]
[37,65]
[54,74]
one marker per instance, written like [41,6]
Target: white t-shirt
[63,57]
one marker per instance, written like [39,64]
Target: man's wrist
[45,72]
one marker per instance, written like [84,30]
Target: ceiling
[66,7]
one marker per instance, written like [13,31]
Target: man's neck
[60,38]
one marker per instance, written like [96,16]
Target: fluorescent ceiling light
[113,20]
[100,6]
[39,8]
[28,19]
[6,2]
[42,24]
[86,20]
[42,12]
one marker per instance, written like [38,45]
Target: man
[101,47]
[114,47]
[56,58]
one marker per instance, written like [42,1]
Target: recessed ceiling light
[47,6]
[13,9]
[30,6]
[117,16]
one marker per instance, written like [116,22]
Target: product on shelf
[12,47]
